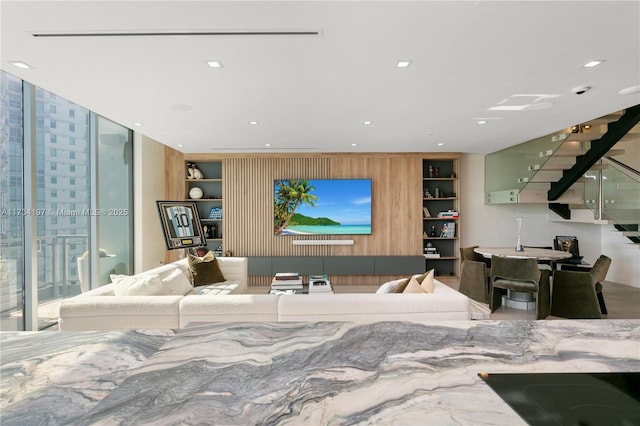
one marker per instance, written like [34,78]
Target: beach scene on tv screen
[322,207]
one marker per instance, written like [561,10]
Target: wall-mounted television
[322,206]
[180,224]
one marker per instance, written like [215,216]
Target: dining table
[522,300]
[528,252]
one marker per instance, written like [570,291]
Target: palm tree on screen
[288,197]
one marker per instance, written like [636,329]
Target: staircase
[574,170]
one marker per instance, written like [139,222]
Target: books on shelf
[431,255]
[215,213]
[448,215]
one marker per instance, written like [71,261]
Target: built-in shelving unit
[441,225]
[212,198]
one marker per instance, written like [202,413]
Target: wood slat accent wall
[248,204]
[174,188]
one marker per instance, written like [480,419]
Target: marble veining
[52,377]
[328,373]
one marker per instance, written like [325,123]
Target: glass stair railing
[613,194]
[524,173]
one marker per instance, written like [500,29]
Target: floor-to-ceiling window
[11,203]
[65,203]
[63,194]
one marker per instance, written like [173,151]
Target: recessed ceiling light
[481,122]
[20,64]
[254,123]
[508,108]
[403,63]
[180,144]
[137,123]
[367,122]
[630,90]
[267,144]
[440,143]
[354,144]
[214,64]
[594,63]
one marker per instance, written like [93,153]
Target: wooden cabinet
[210,204]
[441,225]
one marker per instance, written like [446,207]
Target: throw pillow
[176,283]
[414,287]
[421,277]
[205,270]
[137,285]
[390,286]
[427,282]
[403,284]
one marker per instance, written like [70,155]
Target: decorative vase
[519,226]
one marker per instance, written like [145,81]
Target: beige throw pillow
[403,284]
[414,286]
[427,282]
[137,285]
[205,270]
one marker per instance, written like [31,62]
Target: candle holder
[519,226]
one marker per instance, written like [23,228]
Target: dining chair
[473,280]
[599,273]
[516,274]
[574,295]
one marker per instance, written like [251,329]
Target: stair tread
[572,152]
[568,166]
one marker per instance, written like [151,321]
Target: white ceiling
[313,93]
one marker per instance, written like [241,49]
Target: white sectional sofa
[100,309]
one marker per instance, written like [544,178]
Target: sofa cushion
[389,286]
[427,281]
[403,284]
[242,308]
[218,289]
[205,270]
[137,285]
[444,304]
[176,283]
[414,286]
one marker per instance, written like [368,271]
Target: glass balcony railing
[613,193]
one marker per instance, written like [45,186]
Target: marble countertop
[331,373]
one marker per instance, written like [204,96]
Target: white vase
[519,226]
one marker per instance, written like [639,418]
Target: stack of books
[319,284]
[431,253]
[286,281]
[448,215]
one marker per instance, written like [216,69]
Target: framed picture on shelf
[426,212]
[180,224]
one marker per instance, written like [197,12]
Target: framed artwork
[180,224]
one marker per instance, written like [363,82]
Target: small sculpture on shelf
[207,232]
[436,172]
[193,172]
[433,231]
[430,171]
